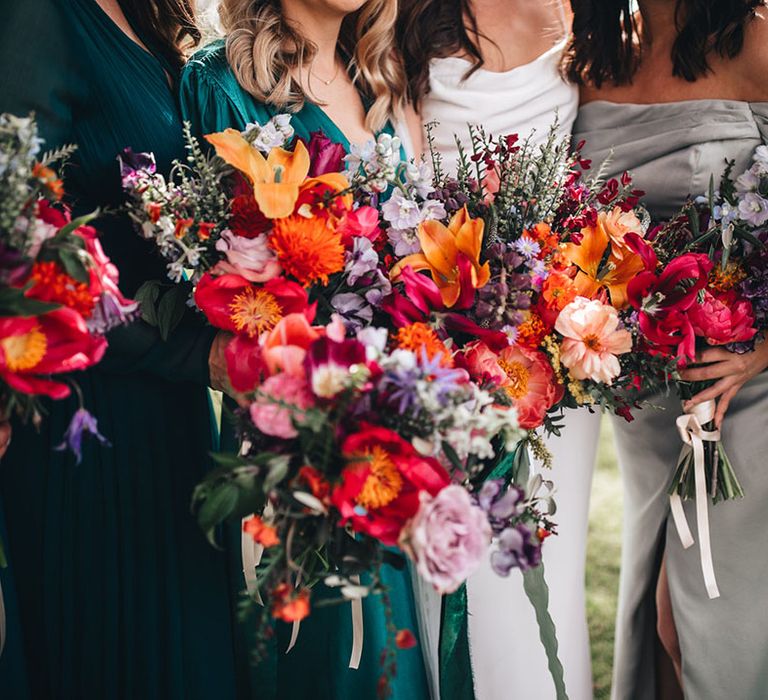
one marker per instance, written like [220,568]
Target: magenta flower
[448,538]
[325,156]
[328,365]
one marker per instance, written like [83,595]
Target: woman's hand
[217,368]
[731,372]
[5,437]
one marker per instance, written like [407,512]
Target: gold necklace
[322,80]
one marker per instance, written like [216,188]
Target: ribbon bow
[692,433]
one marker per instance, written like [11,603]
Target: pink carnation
[273,411]
[447,538]
[723,319]
[251,258]
[592,340]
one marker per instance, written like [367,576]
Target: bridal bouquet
[58,290]
[704,284]
[356,433]
[518,265]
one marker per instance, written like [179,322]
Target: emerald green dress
[317,667]
[119,594]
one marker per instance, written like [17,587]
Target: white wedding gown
[508,660]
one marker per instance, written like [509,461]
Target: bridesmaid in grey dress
[669,93]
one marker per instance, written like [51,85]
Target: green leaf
[73,264]
[217,507]
[14,303]
[75,224]
[171,309]
[453,458]
[147,296]
[278,470]
[538,593]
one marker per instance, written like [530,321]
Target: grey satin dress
[672,150]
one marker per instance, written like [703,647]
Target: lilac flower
[404,242]
[419,178]
[400,212]
[82,423]
[361,260]
[378,288]
[517,549]
[753,209]
[432,209]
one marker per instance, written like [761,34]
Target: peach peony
[618,224]
[592,340]
[525,374]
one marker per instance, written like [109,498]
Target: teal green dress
[317,667]
[119,594]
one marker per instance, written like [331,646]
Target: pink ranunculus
[448,538]
[525,374]
[281,400]
[592,340]
[251,258]
[723,319]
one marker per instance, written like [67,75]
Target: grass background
[603,560]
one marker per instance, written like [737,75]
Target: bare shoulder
[754,58]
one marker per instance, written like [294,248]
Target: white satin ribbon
[357,628]
[690,426]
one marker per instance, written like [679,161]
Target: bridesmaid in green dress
[119,595]
[267,81]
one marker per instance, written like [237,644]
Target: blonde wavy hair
[263,48]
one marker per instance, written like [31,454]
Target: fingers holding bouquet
[729,371]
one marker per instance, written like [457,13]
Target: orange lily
[441,247]
[614,277]
[276,179]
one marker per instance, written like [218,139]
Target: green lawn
[603,556]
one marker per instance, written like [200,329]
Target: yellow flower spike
[276,179]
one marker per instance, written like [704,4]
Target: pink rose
[273,411]
[592,340]
[251,258]
[447,538]
[723,319]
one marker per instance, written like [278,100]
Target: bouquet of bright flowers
[517,263]
[357,433]
[58,290]
[703,284]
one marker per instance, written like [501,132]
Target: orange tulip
[441,247]
[592,277]
[276,179]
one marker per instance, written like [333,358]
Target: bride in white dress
[500,68]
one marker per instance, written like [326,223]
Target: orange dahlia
[307,249]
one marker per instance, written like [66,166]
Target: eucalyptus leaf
[278,470]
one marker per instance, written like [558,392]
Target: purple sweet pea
[517,549]
[82,423]
[131,164]
[325,156]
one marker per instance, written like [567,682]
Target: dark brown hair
[168,25]
[428,29]
[606,38]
